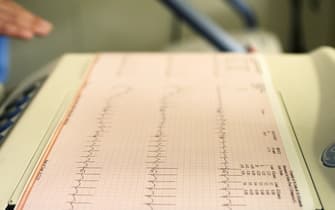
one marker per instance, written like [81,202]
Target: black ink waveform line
[226,172]
[88,171]
[161,186]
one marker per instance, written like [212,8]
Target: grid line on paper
[162,178]
[88,172]
[227,173]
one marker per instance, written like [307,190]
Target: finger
[14,31]
[29,21]
[12,28]
[11,8]
[21,17]
[11,12]
[24,21]
[33,23]
[42,27]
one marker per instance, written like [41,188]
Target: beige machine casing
[305,83]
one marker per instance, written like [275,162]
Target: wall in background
[87,26]
[319,26]
[124,25]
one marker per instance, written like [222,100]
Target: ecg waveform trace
[163,131]
[162,177]
[88,172]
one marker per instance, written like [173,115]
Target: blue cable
[4,59]
[204,26]
[245,11]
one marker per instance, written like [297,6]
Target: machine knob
[328,156]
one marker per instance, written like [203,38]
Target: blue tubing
[204,26]
[245,11]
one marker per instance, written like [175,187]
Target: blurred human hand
[18,22]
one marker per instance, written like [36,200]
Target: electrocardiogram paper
[164,131]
